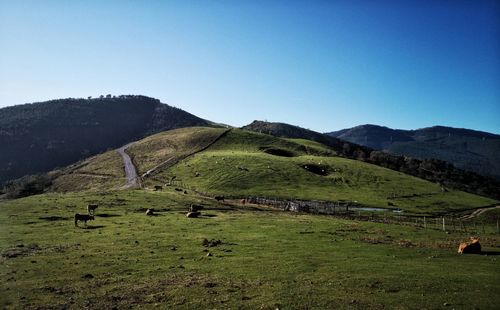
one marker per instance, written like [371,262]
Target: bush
[27,185]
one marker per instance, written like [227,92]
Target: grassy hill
[240,165]
[171,145]
[428,168]
[106,171]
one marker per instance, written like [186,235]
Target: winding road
[130,171]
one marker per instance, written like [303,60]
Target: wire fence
[354,211]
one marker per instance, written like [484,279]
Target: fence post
[498,227]
[425,224]
[443,225]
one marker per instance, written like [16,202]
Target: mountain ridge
[468,149]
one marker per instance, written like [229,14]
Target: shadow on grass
[228,208]
[107,215]
[92,227]
[53,218]
[492,253]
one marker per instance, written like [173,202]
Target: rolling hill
[433,170]
[466,149]
[240,163]
[41,136]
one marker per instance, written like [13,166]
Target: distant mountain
[430,169]
[41,136]
[464,148]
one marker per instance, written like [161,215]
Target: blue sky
[323,65]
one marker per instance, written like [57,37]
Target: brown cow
[474,247]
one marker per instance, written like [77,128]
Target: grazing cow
[193,214]
[195,208]
[150,212]
[158,187]
[83,217]
[178,189]
[474,247]
[91,208]
[219,198]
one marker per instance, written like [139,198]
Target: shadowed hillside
[433,170]
[466,149]
[41,136]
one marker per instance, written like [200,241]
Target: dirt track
[478,212]
[130,171]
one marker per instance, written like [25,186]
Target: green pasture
[266,259]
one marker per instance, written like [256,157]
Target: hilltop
[466,149]
[41,136]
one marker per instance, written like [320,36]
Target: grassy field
[266,259]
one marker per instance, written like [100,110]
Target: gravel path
[130,171]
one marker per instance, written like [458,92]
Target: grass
[154,150]
[314,147]
[267,259]
[95,173]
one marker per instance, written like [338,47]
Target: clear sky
[323,65]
